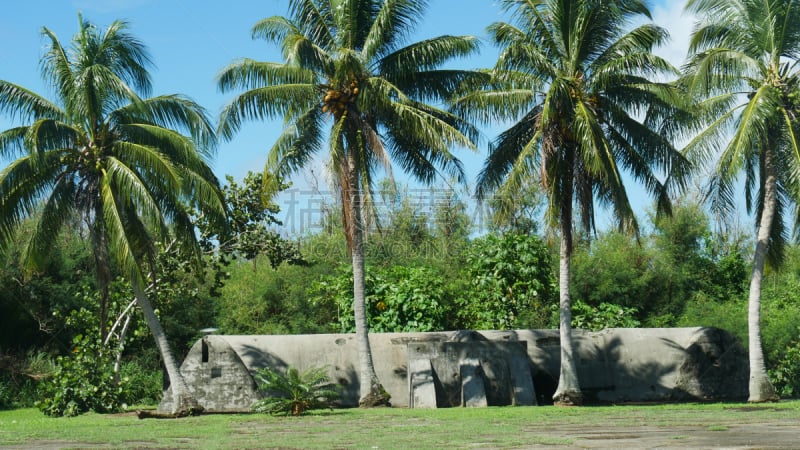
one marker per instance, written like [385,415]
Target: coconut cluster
[335,101]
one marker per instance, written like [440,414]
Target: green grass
[382,428]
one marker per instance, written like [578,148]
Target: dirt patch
[753,409]
[777,435]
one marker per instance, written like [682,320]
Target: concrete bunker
[471,368]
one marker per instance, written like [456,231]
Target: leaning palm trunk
[761,389]
[568,391]
[183,403]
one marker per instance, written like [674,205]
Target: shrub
[82,382]
[703,311]
[6,396]
[142,386]
[511,283]
[605,315]
[294,393]
[19,378]
[261,300]
[786,374]
[27,394]
[399,298]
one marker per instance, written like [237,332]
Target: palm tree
[344,67]
[117,160]
[573,81]
[743,64]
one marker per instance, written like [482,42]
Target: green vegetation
[83,381]
[254,298]
[511,283]
[108,203]
[398,299]
[295,393]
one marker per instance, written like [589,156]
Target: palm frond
[23,185]
[426,55]
[20,103]
[297,144]
[12,142]
[391,24]
[487,106]
[516,145]
[754,123]
[46,134]
[263,103]
[58,210]
[316,19]
[115,218]
[132,194]
[150,164]
[250,74]
[56,67]
[125,55]
[170,115]
[294,393]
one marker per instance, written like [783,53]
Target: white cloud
[671,16]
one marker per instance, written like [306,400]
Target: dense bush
[83,381]
[28,300]
[786,372]
[260,300]
[708,312]
[19,378]
[615,269]
[604,315]
[24,394]
[398,298]
[511,283]
[6,394]
[142,386]
[662,273]
[780,314]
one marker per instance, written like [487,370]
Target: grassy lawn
[505,427]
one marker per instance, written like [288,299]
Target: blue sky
[191,41]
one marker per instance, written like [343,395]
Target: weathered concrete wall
[217,376]
[616,365]
[471,371]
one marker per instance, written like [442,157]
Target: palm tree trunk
[183,403]
[761,389]
[371,392]
[103,273]
[568,392]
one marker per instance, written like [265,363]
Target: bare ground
[772,435]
